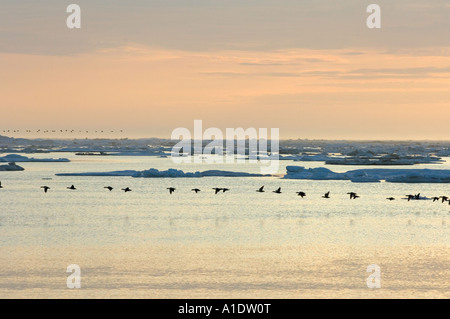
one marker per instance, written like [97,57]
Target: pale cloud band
[38,27]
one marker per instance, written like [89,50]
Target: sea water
[148,243]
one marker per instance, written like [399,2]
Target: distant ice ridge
[170,173]
[123,153]
[320,173]
[371,175]
[113,173]
[179,173]
[153,172]
[11,167]
[364,159]
[390,159]
[22,159]
[421,177]
[306,158]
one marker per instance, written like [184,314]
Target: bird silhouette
[126,189]
[1,185]
[391,198]
[327,195]
[171,190]
[196,190]
[217,189]
[410,197]
[444,198]
[71,188]
[302,194]
[353,195]
[225,189]
[260,190]
[46,188]
[109,187]
[435,199]
[278,191]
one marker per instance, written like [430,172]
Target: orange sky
[306,93]
[312,69]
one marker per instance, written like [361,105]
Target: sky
[313,69]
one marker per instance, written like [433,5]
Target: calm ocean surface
[148,243]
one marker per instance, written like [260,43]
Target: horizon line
[268,139]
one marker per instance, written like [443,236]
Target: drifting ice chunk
[371,175]
[21,159]
[11,167]
[170,173]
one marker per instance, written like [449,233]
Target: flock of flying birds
[60,131]
[302,194]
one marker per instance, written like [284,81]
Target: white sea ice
[371,175]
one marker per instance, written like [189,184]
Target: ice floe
[22,159]
[113,173]
[170,173]
[153,172]
[371,175]
[11,167]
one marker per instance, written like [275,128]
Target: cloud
[153,89]
[38,27]
[366,74]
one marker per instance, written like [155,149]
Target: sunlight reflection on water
[222,244]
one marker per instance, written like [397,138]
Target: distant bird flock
[62,131]
[302,194]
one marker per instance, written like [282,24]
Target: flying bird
[278,191]
[46,188]
[391,198]
[444,198]
[71,188]
[196,190]
[126,189]
[302,194]
[109,187]
[225,189]
[217,189]
[327,195]
[171,190]
[261,189]
[353,195]
[435,199]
